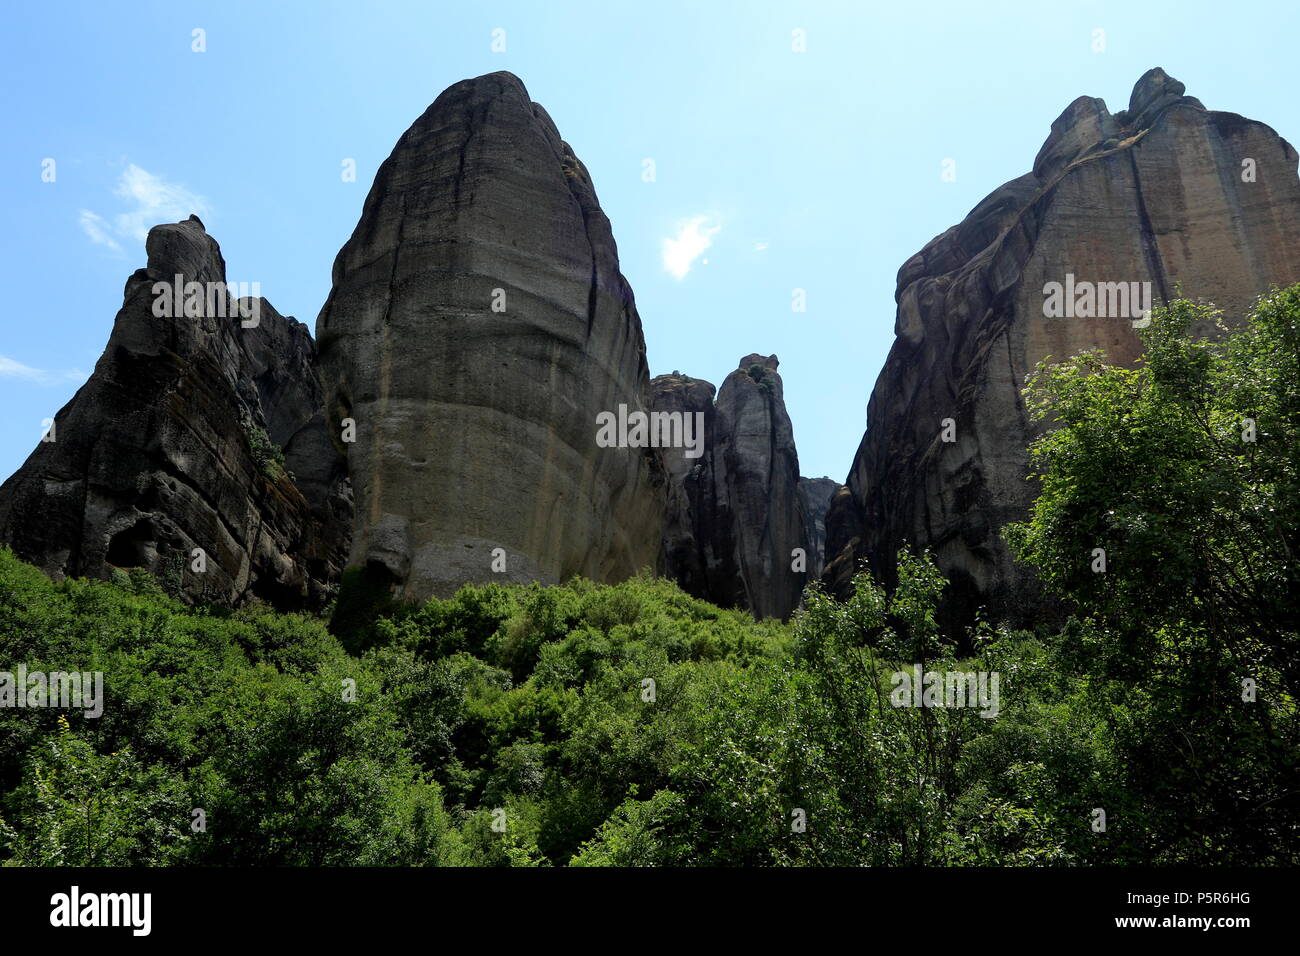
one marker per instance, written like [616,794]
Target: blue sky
[817,170]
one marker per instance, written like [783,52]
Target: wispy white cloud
[693,237]
[151,200]
[760,246]
[97,229]
[155,200]
[11,369]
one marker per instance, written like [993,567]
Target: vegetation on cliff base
[635,725]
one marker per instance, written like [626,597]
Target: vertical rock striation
[477,325]
[694,538]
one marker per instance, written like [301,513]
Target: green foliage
[1185,470]
[765,382]
[241,715]
[524,699]
[81,808]
[308,777]
[267,455]
[365,596]
[632,834]
[633,725]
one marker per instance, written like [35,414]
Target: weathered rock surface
[1161,192]
[477,325]
[693,535]
[815,496]
[737,512]
[152,457]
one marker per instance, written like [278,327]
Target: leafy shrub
[267,455]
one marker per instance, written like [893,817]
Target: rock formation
[479,330]
[815,496]
[477,326]
[737,513]
[1164,192]
[692,537]
[168,448]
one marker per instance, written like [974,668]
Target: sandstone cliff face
[738,511]
[478,324]
[693,535]
[815,496]
[1156,193]
[152,457]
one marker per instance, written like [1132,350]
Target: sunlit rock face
[477,326]
[1165,194]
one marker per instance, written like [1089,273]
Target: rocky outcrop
[736,513]
[694,536]
[815,496]
[477,326]
[1164,192]
[171,446]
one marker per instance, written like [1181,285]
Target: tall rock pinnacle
[167,450]
[1164,193]
[739,512]
[477,326]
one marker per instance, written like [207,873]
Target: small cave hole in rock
[127,549]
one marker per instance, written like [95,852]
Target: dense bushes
[525,700]
[635,725]
[519,726]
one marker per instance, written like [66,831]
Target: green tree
[1182,473]
[1185,472]
[82,808]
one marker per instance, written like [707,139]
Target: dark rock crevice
[1150,247]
